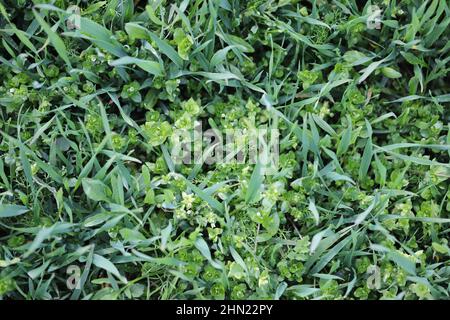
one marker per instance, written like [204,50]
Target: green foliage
[89,104]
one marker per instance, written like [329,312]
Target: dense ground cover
[93,206]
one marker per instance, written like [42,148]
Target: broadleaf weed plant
[97,97]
